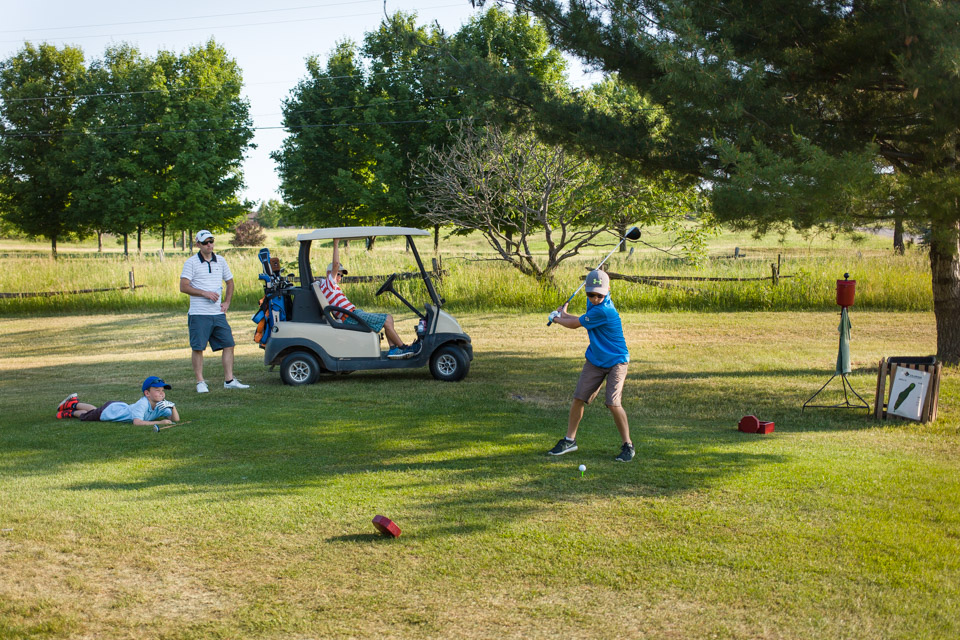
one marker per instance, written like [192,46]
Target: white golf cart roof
[352,233]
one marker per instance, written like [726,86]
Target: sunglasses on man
[210,241]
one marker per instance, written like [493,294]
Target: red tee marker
[386,526]
[750,424]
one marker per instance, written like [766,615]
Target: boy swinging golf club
[606,358]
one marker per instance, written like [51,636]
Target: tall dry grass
[474,281]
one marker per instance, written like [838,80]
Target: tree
[356,126]
[117,180]
[200,140]
[248,234]
[38,86]
[793,111]
[511,188]
[273,213]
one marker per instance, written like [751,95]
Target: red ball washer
[386,526]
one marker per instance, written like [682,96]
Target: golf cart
[306,340]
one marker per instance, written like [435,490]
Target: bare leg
[197,358]
[227,364]
[81,409]
[576,415]
[620,419]
[392,336]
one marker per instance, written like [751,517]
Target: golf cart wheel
[299,368]
[449,363]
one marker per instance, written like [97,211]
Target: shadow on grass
[463,456]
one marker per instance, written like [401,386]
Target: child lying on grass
[152,409]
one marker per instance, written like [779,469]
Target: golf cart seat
[327,310]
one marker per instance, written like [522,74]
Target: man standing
[202,279]
[607,358]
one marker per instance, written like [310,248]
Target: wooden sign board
[885,398]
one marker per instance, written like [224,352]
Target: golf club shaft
[161,427]
[582,284]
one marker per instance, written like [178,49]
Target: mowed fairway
[255,519]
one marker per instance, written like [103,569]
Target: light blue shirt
[123,412]
[607,347]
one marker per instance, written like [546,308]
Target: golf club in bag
[633,233]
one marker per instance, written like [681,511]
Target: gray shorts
[588,386]
[212,329]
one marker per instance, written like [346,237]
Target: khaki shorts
[588,386]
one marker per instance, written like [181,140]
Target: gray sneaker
[626,453]
[562,447]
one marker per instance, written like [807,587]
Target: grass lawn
[254,520]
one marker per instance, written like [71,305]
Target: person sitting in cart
[377,321]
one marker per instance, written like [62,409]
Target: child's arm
[567,320]
[149,423]
[174,414]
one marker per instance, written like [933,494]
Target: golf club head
[633,233]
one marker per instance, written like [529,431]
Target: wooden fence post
[774,276]
[133,285]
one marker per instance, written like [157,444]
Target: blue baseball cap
[154,381]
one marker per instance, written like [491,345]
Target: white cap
[203,234]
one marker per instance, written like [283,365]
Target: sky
[270,43]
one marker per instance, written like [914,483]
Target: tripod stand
[843,368]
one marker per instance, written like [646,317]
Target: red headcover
[386,526]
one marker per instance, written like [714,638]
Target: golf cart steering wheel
[386,286]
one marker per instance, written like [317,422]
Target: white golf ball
[583,467]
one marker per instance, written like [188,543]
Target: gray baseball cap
[598,282]
[343,268]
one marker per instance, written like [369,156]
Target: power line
[235,26]
[168,89]
[299,111]
[41,134]
[213,15]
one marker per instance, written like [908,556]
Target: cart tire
[299,368]
[449,363]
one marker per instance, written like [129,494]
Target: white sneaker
[235,384]
[202,387]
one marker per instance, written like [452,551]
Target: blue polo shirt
[123,412]
[607,344]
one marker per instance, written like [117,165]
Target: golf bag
[271,312]
[272,307]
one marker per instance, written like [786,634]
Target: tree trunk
[126,246]
[945,272]
[436,238]
[53,246]
[163,236]
[183,240]
[621,232]
[371,241]
[139,239]
[898,246]
[99,241]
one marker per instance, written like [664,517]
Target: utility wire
[213,15]
[170,122]
[170,89]
[234,26]
[40,134]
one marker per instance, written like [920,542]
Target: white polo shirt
[207,276]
